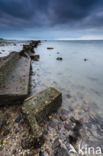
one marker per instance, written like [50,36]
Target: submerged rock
[50,48]
[85,59]
[37,108]
[59,58]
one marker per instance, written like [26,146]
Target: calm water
[80,82]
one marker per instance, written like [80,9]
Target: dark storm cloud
[22,14]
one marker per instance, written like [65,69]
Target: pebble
[64,112]
[68,96]
[6,132]
[52,124]
[41,154]
[67,126]
[14,151]
[63,117]
[16,131]
[23,144]
[73,119]
[19,117]
[59,126]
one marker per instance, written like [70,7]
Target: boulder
[37,108]
[35,57]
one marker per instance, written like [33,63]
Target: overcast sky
[51,19]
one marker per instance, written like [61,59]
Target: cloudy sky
[51,19]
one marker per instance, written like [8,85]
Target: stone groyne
[15,73]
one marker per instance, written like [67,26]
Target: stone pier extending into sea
[15,73]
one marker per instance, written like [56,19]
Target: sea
[79,75]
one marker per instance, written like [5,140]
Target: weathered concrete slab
[6,64]
[14,78]
[37,108]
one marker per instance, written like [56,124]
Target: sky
[51,19]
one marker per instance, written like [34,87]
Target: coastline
[62,127]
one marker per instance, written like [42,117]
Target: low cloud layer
[28,16]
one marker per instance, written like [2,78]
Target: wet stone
[64,111]
[63,117]
[68,96]
[28,154]
[67,126]
[52,124]
[24,144]
[14,151]
[85,59]
[35,57]
[59,58]
[73,119]
[59,126]
[19,117]
[60,148]
[73,139]
[58,52]
[37,109]
[41,154]
[16,131]
[6,132]
[50,48]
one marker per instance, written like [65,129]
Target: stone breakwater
[14,89]
[15,73]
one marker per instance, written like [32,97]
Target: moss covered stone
[37,108]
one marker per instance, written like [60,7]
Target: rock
[37,108]
[59,58]
[19,117]
[28,154]
[60,148]
[6,132]
[63,117]
[50,48]
[67,126]
[41,154]
[85,59]
[16,131]
[35,57]
[73,139]
[64,112]
[23,144]
[58,52]
[14,151]
[68,96]
[2,119]
[73,119]
[59,126]
[52,124]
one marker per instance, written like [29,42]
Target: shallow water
[6,49]
[81,82]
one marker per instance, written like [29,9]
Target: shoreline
[63,125]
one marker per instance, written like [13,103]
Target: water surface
[80,81]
